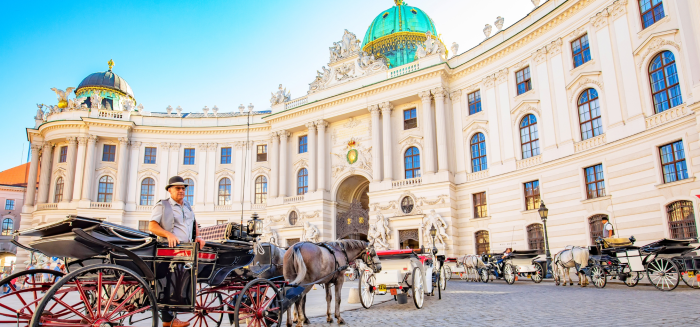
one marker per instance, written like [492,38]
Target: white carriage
[454,268]
[403,271]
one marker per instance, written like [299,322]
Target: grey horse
[571,257]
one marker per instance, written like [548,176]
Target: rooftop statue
[430,47]
[347,47]
[77,104]
[280,96]
[62,96]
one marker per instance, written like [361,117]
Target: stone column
[439,93]
[456,97]
[376,143]
[200,184]
[76,165]
[322,153]
[163,158]
[274,165]
[386,125]
[284,135]
[33,171]
[89,168]
[70,179]
[312,156]
[133,176]
[45,176]
[428,133]
[122,169]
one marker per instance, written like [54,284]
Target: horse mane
[348,244]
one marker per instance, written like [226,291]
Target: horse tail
[297,265]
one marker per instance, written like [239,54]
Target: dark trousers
[167,315]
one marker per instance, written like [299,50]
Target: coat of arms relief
[354,156]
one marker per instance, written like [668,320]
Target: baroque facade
[587,105]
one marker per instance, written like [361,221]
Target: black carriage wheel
[598,276]
[509,273]
[693,281]
[366,282]
[484,275]
[258,304]
[538,274]
[208,308]
[663,274]
[119,294]
[19,304]
[633,277]
[417,289]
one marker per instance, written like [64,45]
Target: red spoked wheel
[101,295]
[24,291]
[258,305]
[209,308]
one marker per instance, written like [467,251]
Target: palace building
[586,105]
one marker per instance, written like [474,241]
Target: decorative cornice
[618,8]
[600,20]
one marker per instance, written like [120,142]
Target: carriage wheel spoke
[71,308]
[99,295]
[83,296]
[129,314]
[116,289]
[118,308]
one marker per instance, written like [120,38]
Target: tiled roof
[15,176]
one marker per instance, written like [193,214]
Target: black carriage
[519,263]
[122,276]
[665,262]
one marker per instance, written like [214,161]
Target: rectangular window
[9,204]
[225,156]
[652,11]
[150,156]
[581,51]
[109,152]
[262,152]
[302,144]
[64,154]
[221,222]
[673,162]
[480,205]
[143,225]
[595,183]
[532,195]
[522,78]
[189,157]
[474,102]
[409,119]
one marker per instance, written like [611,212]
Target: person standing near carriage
[173,219]
[607,228]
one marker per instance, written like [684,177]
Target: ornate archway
[352,207]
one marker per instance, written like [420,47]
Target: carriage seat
[616,242]
[268,265]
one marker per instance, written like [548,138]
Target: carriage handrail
[146,240]
[19,245]
[147,272]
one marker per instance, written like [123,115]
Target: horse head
[370,258]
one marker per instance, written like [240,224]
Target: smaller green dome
[396,33]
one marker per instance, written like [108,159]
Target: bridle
[368,256]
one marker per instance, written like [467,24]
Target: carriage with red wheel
[119,276]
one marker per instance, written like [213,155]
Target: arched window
[663,76]
[105,189]
[224,192]
[261,189]
[478,146]
[529,138]
[681,220]
[7,226]
[148,186]
[535,237]
[589,114]
[595,225]
[411,160]
[293,218]
[189,191]
[302,181]
[482,242]
[58,191]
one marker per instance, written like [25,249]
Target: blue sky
[192,53]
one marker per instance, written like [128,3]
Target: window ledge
[530,211]
[523,94]
[671,184]
[147,163]
[481,218]
[600,198]
[587,63]
[644,31]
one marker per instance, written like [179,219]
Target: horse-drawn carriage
[523,263]
[122,276]
[453,266]
[665,262]
[404,271]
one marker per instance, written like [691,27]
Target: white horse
[571,257]
[471,265]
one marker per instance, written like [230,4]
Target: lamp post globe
[433,233]
[544,212]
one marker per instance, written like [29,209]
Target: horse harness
[337,265]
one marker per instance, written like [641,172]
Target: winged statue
[62,95]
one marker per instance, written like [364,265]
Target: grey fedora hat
[175,181]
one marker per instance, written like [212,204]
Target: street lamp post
[433,233]
[543,211]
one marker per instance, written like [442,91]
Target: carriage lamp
[255,226]
[433,233]
[543,211]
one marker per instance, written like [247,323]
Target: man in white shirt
[607,228]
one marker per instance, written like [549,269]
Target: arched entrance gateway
[352,209]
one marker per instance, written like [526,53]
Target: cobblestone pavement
[528,304]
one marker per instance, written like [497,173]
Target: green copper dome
[396,33]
